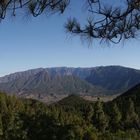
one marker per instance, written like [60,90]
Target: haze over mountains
[104,80]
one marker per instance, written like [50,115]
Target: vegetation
[72,118]
[106,22]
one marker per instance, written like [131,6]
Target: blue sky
[28,43]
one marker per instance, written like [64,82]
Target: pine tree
[116,117]
[131,117]
[1,127]
[100,119]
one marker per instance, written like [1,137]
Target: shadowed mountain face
[114,78]
[128,101]
[133,93]
[64,81]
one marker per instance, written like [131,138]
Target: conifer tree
[116,117]
[100,119]
[106,21]
[131,118]
[1,127]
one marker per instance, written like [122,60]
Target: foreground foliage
[106,21]
[71,119]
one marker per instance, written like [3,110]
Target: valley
[53,84]
[71,118]
[101,103]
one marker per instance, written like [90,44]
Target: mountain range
[94,81]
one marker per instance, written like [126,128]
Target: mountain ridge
[69,80]
[65,67]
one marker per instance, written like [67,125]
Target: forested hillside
[72,118]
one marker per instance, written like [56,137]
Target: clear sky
[28,43]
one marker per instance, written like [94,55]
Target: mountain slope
[133,94]
[114,78]
[42,84]
[63,80]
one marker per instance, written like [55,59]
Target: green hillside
[72,118]
[133,93]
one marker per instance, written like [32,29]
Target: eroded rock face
[64,81]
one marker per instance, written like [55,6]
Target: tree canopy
[72,118]
[114,23]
